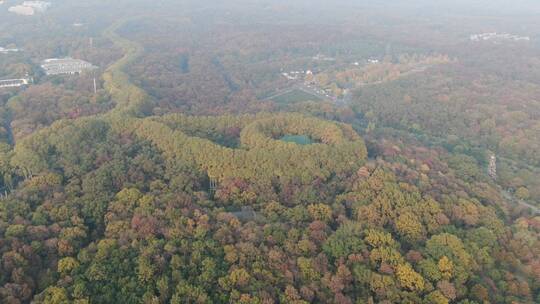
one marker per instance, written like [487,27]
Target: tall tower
[492,167]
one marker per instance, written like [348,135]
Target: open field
[294,96]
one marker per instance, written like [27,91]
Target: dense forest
[171,181]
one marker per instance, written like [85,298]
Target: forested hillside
[176,180]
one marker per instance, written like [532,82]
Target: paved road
[510,197]
[312,91]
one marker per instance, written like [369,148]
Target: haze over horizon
[270,151]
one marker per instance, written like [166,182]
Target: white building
[29,8]
[38,6]
[66,66]
[5,51]
[22,10]
[14,83]
[497,37]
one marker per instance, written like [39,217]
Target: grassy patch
[295,96]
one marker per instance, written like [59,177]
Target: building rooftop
[12,83]
[29,8]
[10,50]
[37,5]
[58,66]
